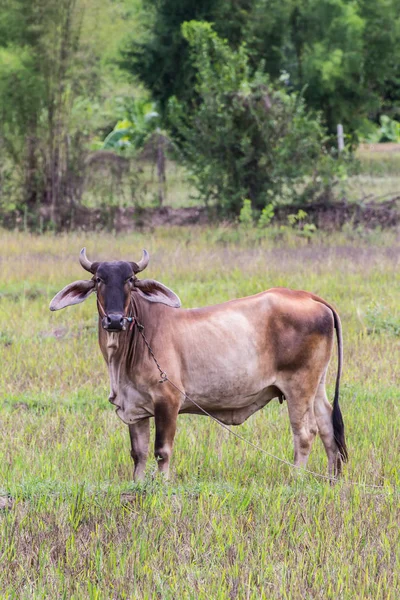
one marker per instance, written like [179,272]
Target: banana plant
[133,132]
[142,127]
[389,131]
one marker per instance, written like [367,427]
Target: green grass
[231,523]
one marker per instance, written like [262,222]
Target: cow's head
[114,282]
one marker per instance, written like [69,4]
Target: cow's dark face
[114,282]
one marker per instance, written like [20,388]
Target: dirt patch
[165,215]
[6,503]
[129,219]
[333,216]
[59,333]
[326,216]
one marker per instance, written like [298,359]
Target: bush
[387,131]
[244,137]
[267,214]
[246,215]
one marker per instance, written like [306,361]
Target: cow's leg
[165,415]
[300,402]
[323,414]
[140,435]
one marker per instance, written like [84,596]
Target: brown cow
[231,359]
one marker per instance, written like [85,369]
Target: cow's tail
[337,419]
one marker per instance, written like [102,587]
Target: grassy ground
[231,523]
[379,174]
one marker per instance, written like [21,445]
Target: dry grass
[377,178]
[231,523]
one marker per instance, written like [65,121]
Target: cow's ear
[74,293]
[157,292]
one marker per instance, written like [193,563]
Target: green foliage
[327,40]
[298,222]
[343,54]
[246,214]
[346,54]
[244,137]
[133,132]
[267,214]
[62,92]
[41,77]
[21,92]
[158,53]
[388,131]
[54,85]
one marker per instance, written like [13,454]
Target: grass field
[379,174]
[231,522]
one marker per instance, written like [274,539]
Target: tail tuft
[338,429]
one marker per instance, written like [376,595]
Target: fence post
[340,138]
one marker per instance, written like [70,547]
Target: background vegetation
[101,101]
[232,522]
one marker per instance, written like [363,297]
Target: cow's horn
[85,262]
[143,262]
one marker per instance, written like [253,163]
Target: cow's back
[235,349]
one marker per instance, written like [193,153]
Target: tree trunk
[161,169]
[31,184]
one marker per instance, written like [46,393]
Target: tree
[139,132]
[160,57]
[343,55]
[344,52]
[36,59]
[243,137]
[55,93]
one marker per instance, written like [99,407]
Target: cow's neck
[117,347]
[147,318]
[133,346]
[126,352]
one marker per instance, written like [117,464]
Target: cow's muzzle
[114,322]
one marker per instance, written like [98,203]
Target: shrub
[267,214]
[246,215]
[244,137]
[387,131]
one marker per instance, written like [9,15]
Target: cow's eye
[131,280]
[98,279]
